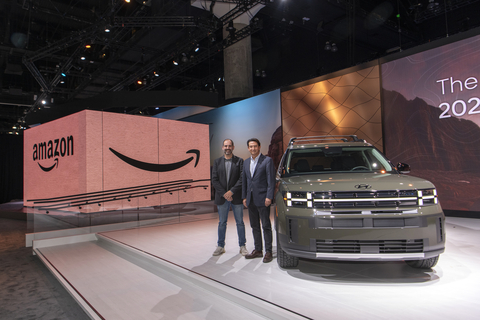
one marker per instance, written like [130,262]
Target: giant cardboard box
[95,161]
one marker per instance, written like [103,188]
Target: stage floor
[317,289]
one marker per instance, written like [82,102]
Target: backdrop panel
[432,119]
[257,117]
[342,105]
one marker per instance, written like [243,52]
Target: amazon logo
[53,149]
[154,167]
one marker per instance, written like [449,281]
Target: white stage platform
[168,272]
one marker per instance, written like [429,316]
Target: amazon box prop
[95,161]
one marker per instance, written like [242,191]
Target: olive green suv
[340,198]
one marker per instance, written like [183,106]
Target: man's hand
[245,203]
[228,195]
[268,202]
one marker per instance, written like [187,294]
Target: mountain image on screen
[444,151]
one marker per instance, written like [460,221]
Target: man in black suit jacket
[227,181]
[258,186]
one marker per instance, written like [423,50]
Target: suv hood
[347,182]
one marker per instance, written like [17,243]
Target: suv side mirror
[403,167]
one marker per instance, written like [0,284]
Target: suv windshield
[336,159]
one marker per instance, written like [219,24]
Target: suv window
[335,159]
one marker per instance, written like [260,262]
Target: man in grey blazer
[258,186]
[227,181]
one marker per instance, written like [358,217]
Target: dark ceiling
[44,54]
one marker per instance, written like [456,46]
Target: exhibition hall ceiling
[63,51]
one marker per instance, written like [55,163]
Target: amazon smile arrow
[157,167]
[47,169]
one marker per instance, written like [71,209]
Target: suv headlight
[427,197]
[298,199]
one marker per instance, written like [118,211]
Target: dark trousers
[257,214]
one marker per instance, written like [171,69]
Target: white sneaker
[218,251]
[243,251]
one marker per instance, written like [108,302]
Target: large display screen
[432,118]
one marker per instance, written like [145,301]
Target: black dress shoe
[268,257]
[254,254]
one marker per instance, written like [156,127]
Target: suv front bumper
[305,237]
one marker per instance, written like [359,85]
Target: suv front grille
[361,199]
[370,246]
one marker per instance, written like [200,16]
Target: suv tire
[285,260]
[423,264]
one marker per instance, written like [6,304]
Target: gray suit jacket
[262,184]
[219,180]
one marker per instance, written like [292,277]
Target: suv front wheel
[285,260]
[423,264]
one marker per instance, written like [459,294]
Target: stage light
[127,1]
[139,81]
[328,47]
[197,48]
[82,58]
[334,47]
[432,5]
[44,102]
[264,74]
[107,30]
[88,46]
[175,62]
[63,74]
[257,73]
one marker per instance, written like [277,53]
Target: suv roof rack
[344,138]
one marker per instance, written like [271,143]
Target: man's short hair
[254,140]
[233,144]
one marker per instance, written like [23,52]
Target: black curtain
[11,167]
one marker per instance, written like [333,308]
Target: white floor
[317,289]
